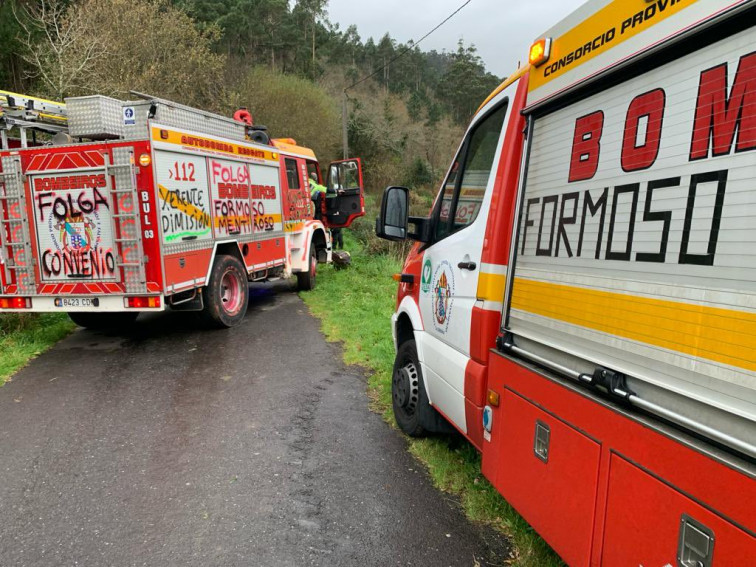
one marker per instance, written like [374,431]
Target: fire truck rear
[163,206]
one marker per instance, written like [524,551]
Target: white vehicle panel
[266,200]
[73,219]
[446,393]
[185,208]
[662,286]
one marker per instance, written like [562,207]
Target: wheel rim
[406,388]
[313,267]
[232,297]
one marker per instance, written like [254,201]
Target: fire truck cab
[580,302]
[163,206]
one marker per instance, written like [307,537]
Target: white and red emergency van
[581,301]
[165,206]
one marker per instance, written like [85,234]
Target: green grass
[366,295]
[24,336]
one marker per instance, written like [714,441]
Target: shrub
[291,107]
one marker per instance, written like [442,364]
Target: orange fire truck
[136,206]
[580,303]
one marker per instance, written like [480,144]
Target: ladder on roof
[29,113]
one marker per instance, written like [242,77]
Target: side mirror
[393,222]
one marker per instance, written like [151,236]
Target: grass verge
[24,336]
[365,295]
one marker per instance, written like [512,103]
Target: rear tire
[104,321]
[226,296]
[412,410]
[306,280]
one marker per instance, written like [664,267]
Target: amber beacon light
[540,52]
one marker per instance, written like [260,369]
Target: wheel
[306,280]
[226,295]
[104,321]
[412,410]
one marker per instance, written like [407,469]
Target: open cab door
[344,200]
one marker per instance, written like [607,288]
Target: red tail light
[142,302]
[15,303]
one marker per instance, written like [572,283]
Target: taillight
[15,303]
[142,302]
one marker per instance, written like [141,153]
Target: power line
[408,48]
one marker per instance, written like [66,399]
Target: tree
[385,52]
[353,42]
[115,46]
[57,44]
[465,84]
[415,105]
[12,75]
[313,10]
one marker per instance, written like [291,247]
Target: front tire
[226,295]
[104,321]
[412,410]
[306,280]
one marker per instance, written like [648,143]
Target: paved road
[172,445]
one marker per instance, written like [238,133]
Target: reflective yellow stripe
[721,335]
[611,17]
[491,287]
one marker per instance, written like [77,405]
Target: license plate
[76,302]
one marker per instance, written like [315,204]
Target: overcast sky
[502,30]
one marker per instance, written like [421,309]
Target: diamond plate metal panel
[103,118]
[96,117]
[185,118]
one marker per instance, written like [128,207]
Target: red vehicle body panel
[594,470]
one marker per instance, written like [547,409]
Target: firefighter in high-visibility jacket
[317,193]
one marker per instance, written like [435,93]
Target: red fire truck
[162,206]
[580,303]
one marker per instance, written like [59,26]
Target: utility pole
[344,125]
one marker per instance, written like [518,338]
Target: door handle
[467,266]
